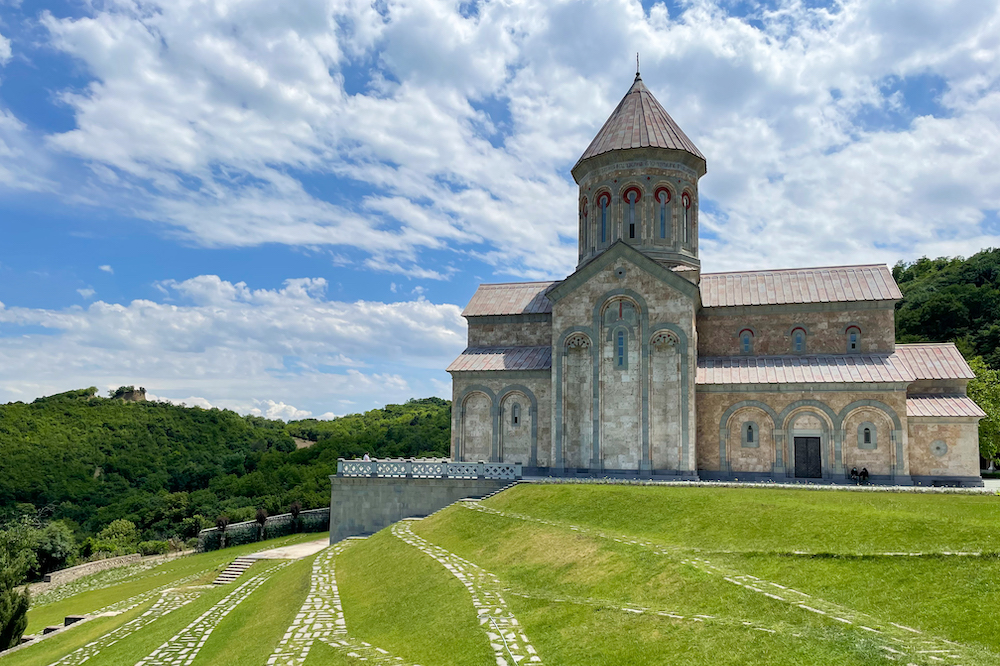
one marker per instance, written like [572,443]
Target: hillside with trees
[85,461]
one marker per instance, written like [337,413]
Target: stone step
[234,570]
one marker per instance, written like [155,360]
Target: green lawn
[207,565]
[624,575]
[401,600]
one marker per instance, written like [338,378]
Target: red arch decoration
[662,190]
[632,188]
[604,198]
[686,200]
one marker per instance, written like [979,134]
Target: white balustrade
[428,469]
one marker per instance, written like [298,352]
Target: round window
[939,448]
[620,272]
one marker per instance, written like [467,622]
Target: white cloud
[5,50]
[86,293]
[452,132]
[284,352]
[106,268]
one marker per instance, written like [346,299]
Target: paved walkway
[321,618]
[510,645]
[896,640]
[293,552]
[184,647]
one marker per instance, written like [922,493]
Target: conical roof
[639,122]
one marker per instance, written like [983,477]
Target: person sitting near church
[854,474]
[864,475]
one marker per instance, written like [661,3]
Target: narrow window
[745,342]
[686,202]
[621,349]
[583,225]
[632,196]
[749,434]
[800,341]
[853,339]
[663,196]
[515,415]
[603,201]
[868,435]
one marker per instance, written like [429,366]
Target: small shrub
[154,548]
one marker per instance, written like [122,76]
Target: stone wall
[510,331]
[959,455]
[72,573]
[365,505]
[826,412]
[644,407]
[482,427]
[719,328]
[237,534]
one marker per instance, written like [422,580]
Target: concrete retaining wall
[365,505]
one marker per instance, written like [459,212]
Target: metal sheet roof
[639,122]
[839,369]
[834,284]
[509,298]
[938,360]
[942,406]
[503,358]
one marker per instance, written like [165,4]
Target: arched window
[620,357]
[746,341]
[867,436]
[798,340]
[751,435]
[632,196]
[686,203]
[663,197]
[603,201]
[853,339]
[584,232]
[515,415]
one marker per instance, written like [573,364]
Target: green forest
[85,462]
[95,475]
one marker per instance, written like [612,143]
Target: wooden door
[808,458]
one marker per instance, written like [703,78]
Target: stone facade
[638,364]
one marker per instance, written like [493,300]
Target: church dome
[639,121]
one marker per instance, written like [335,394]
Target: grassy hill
[172,469]
[612,575]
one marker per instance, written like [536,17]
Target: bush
[119,538]
[154,547]
[56,547]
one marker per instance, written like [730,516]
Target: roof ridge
[507,284]
[927,344]
[789,270]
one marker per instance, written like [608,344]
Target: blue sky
[281,208]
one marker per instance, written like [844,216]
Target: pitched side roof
[942,406]
[639,122]
[502,358]
[834,284]
[935,361]
[839,369]
[509,298]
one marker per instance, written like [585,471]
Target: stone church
[640,365]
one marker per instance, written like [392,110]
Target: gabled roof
[935,360]
[509,298]
[817,369]
[639,122]
[834,284]
[942,406]
[502,358]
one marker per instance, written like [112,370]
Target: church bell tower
[639,184]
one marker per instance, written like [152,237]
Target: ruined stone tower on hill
[639,365]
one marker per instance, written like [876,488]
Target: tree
[985,391]
[261,519]
[119,537]
[56,547]
[221,523]
[295,509]
[17,556]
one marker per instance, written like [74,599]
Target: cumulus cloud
[86,293]
[5,50]
[106,268]
[282,353]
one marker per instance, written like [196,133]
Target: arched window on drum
[688,231]
[663,217]
[632,195]
[584,226]
[604,203]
